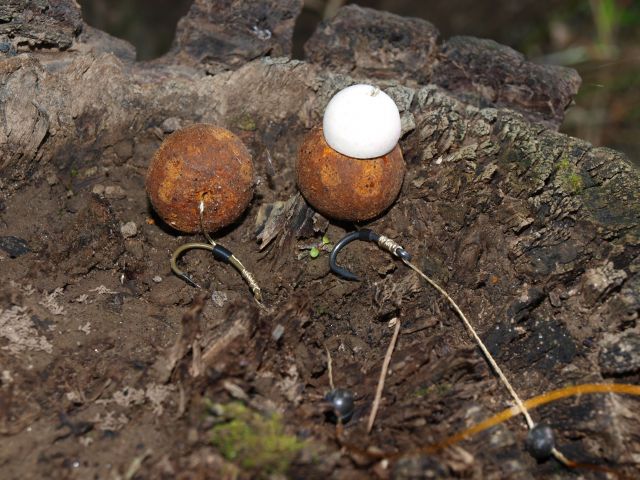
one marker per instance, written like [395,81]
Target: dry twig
[383,374]
[330,368]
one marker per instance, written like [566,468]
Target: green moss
[438,389]
[422,391]
[319,310]
[574,182]
[254,441]
[564,164]
[245,122]
[570,178]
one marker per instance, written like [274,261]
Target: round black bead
[540,442]
[342,403]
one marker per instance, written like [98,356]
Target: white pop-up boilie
[362,121]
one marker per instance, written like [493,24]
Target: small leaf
[314,252]
[325,240]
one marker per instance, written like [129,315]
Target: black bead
[540,442]
[342,404]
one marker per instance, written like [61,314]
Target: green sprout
[316,249]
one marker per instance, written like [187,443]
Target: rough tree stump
[535,233]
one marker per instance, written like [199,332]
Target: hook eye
[365,235]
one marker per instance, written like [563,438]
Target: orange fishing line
[535,402]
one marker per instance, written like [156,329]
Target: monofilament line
[480,343]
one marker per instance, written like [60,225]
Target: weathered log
[537,234]
[367,43]
[39,24]
[226,34]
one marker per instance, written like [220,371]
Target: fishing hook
[219,253]
[366,235]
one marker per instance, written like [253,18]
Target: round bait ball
[540,442]
[347,188]
[362,121]
[200,163]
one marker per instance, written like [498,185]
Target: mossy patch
[438,390]
[256,442]
[569,176]
[245,122]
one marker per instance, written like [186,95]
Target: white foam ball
[362,121]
